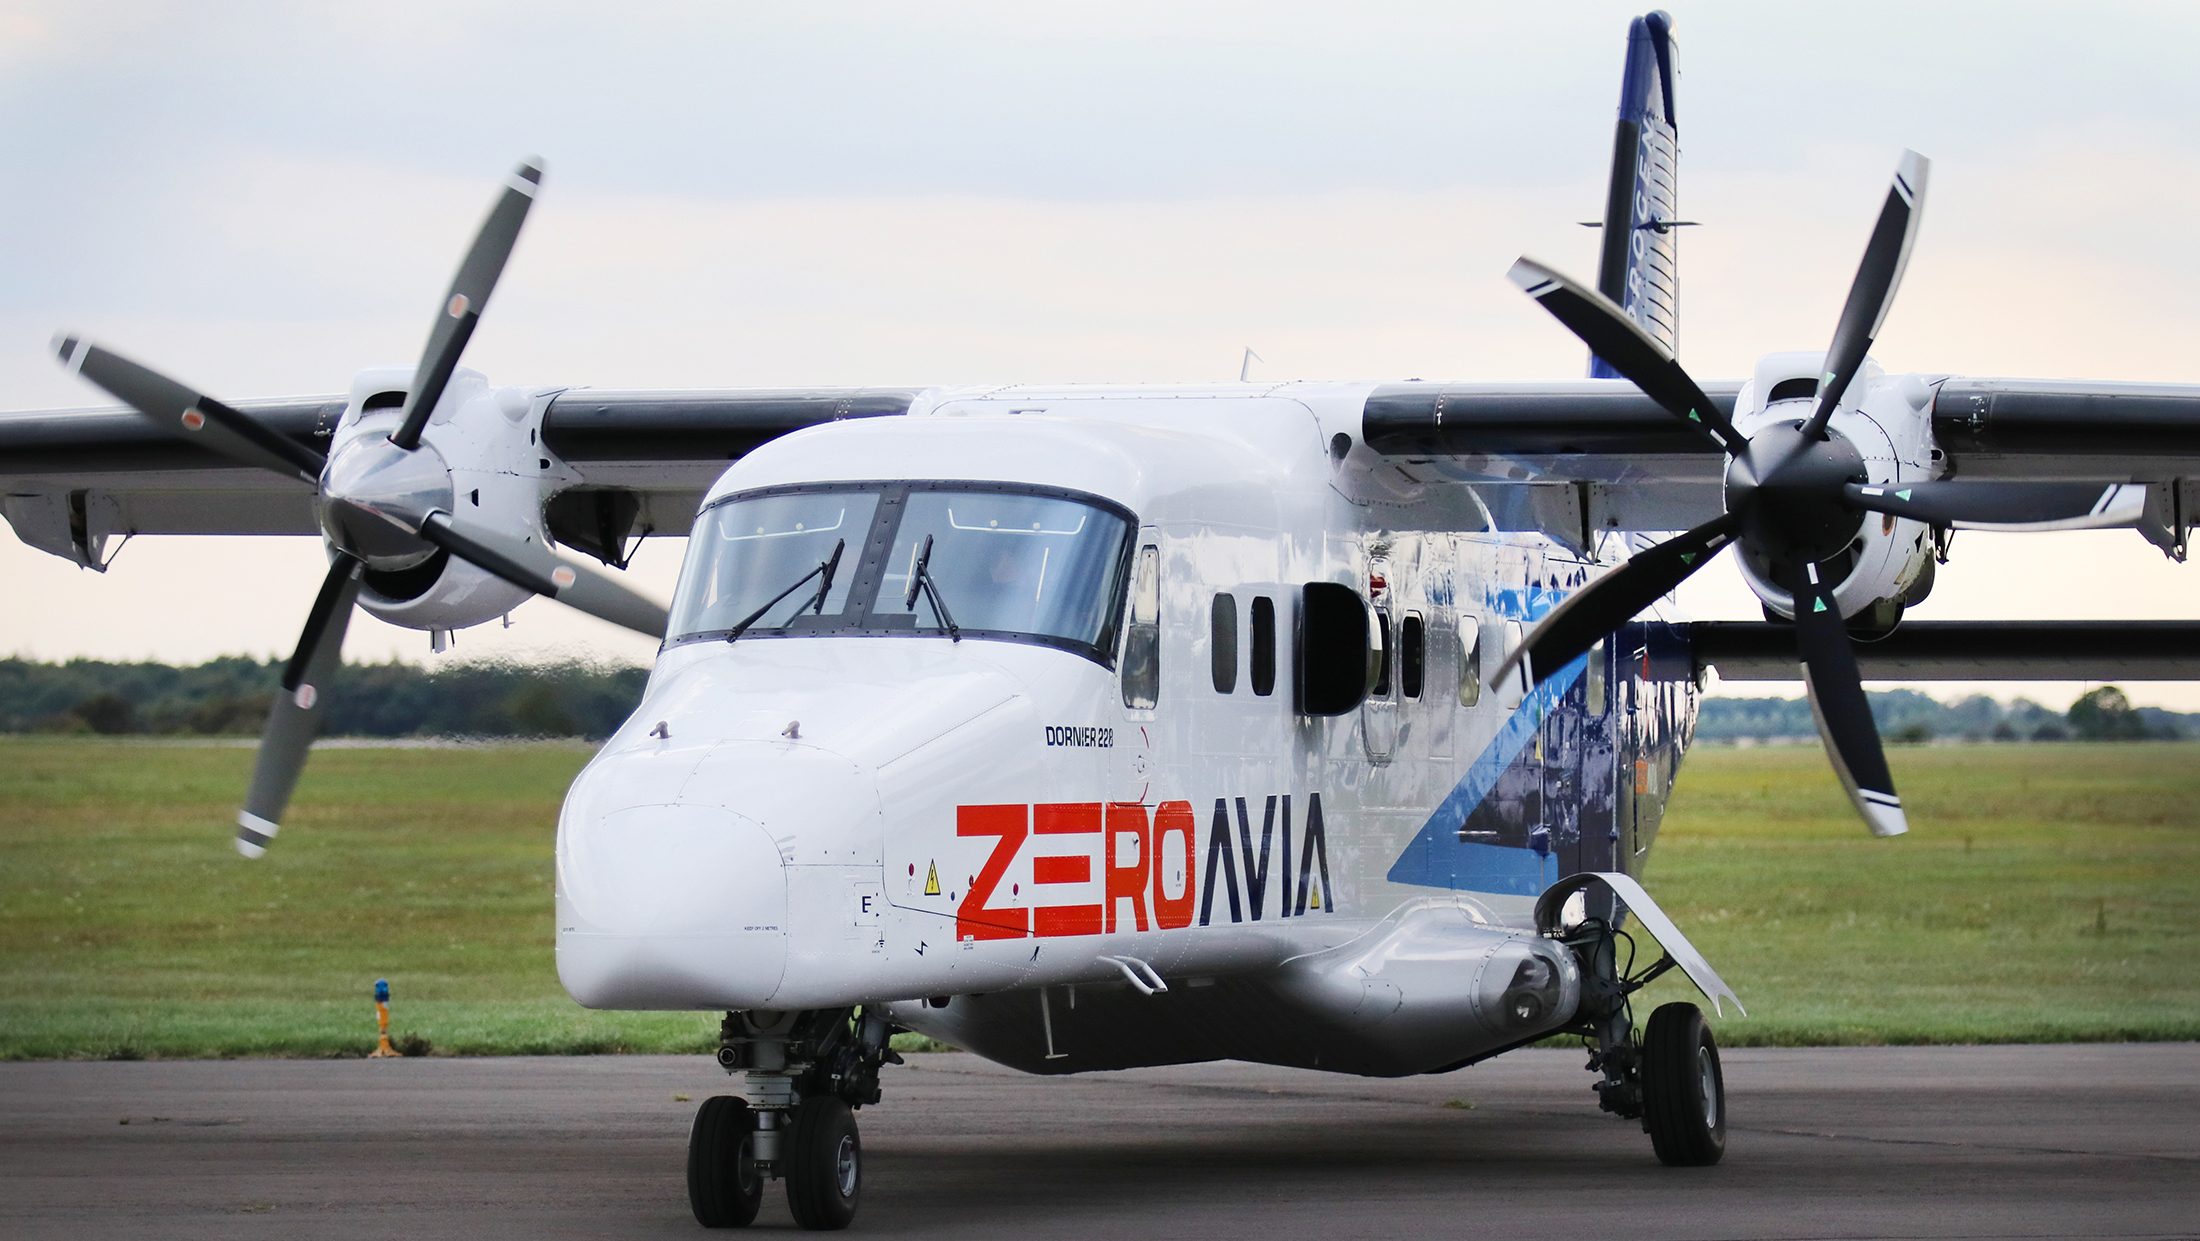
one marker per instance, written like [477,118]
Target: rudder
[1638,268]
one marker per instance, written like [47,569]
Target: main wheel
[724,1186]
[1683,1092]
[824,1165]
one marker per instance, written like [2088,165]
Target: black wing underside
[1969,651]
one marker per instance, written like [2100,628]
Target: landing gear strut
[805,1074]
[1668,1077]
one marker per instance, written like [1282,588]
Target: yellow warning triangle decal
[932,880]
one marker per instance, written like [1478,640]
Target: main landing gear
[1669,1077]
[806,1073]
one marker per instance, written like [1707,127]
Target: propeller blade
[2009,506]
[193,415]
[533,567]
[1612,600]
[461,309]
[1837,702]
[1871,295]
[295,718]
[1611,335]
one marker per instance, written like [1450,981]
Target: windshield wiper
[921,579]
[825,568]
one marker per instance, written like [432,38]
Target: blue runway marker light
[382,1050]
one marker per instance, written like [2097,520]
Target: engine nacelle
[498,476]
[1888,418]
[439,593]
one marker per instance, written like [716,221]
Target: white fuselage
[802,820]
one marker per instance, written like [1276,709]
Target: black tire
[724,1186]
[824,1165]
[1683,1089]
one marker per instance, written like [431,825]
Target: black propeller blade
[2005,505]
[1612,600]
[295,718]
[1871,294]
[1611,335]
[1793,495]
[193,415]
[461,309]
[1837,702]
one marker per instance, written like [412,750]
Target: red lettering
[1061,870]
[973,920]
[1127,883]
[1068,819]
[1173,818]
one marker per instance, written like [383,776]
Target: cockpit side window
[1142,638]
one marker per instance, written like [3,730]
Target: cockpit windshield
[1020,563]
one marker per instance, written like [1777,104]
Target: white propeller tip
[1886,821]
[70,347]
[254,834]
[1911,174]
[1530,275]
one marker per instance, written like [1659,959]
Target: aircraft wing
[1969,651]
[69,477]
[1574,457]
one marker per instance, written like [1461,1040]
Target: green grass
[128,928]
[1983,924]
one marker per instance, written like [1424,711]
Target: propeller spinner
[384,503]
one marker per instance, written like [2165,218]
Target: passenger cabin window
[1008,562]
[1264,645]
[1412,655]
[1382,655]
[1470,660]
[1142,643]
[1595,689]
[1222,643]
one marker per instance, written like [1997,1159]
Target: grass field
[2047,892]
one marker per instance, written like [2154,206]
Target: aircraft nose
[670,906]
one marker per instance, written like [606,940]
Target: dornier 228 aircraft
[1315,724]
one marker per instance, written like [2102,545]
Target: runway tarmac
[2093,1141]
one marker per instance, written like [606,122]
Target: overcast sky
[262,198]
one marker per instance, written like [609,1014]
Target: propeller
[1788,496]
[1795,495]
[384,503]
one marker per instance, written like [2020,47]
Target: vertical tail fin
[1639,269]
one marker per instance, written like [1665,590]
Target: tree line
[230,697]
[1907,716]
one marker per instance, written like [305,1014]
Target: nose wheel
[824,1166]
[725,1185]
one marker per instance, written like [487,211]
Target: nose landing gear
[805,1074]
